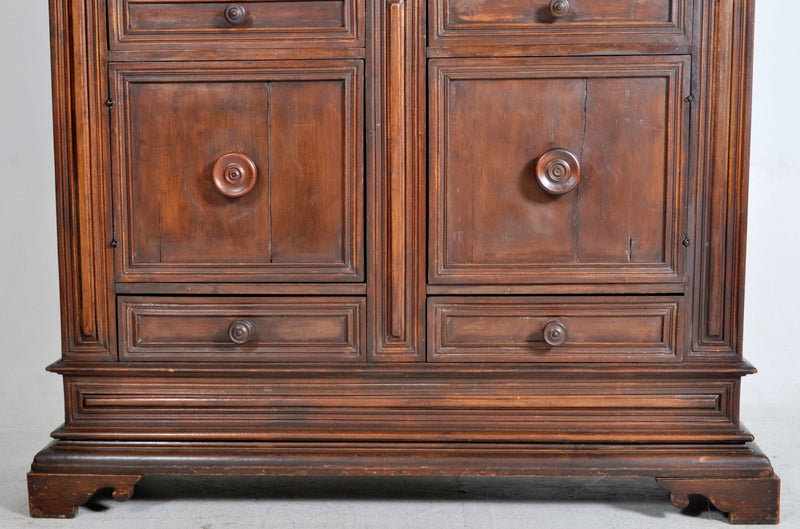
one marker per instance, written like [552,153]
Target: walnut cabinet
[402,237]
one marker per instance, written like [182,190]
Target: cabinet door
[558,170]
[239,173]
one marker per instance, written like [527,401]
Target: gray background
[31,400]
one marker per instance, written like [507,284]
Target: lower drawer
[230,329]
[525,329]
[413,403]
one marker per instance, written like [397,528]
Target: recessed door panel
[549,171]
[239,174]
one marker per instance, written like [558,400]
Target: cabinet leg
[746,500]
[59,495]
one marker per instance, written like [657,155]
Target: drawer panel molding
[443,408]
[180,24]
[242,329]
[552,330]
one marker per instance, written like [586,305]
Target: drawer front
[236,330]
[595,22]
[175,24]
[230,172]
[367,406]
[558,171]
[553,330]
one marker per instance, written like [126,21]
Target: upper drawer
[512,329]
[231,171]
[569,22]
[170,24]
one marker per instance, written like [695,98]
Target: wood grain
[178,24]
[302,222]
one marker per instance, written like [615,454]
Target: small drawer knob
[558,171]
[240,331]
[555,333]
[235,14]
[559,8]
[234,174]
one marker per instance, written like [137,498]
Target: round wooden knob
[558,171]
[234,174]
[235,13]
[559,8]
[240,331]
[555,333]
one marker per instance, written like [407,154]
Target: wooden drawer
[616,130]
[602,23]
[175,24]
[215,329]
[436,404]
[521,329]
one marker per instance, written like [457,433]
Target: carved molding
[397,279]
[82,194]
[722,178]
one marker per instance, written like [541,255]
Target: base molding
[747,500]
[736,478]
[59,495]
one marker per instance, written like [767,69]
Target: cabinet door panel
[492,220]
[301,127]
[514,329]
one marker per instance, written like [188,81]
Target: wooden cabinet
[402,237]
[550,171]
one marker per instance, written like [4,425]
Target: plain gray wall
[29,320]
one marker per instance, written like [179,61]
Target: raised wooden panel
[602,23]
[271,329]
[625,123]
[176,24]
[722,187]
[301,126]
[445,407]
[513,329]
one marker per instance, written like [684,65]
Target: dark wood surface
[137,24]
[402,237]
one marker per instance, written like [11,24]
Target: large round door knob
[240,331]
[559,8]
[555,333]
[234,174]
[235,14]
[558,171]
